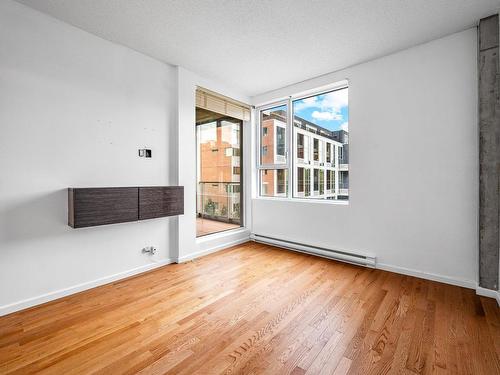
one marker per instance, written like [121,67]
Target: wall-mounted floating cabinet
[89,207]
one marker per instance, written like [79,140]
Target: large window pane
[273,124]
[320,135]
[273,182]
[300,180]
[219,190]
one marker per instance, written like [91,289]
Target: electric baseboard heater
[344,256]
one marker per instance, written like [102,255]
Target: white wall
[413,165]
[74,109]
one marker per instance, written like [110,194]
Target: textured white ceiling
[257,45]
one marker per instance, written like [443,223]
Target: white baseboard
[212,249]
[47,297]
[471,284]
[488,293]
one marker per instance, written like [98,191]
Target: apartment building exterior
[273,151]
[219,171]
[320,159]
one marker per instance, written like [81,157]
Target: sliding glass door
[219,173]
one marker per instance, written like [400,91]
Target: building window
[300,180]
[316,179]
[273,122]
[236,170]
[330,181]
[280,140]
[273,172]
[273,182]
[321,181]
[281,183]
[317,128]
[307,182]
[300,146]
[232,151]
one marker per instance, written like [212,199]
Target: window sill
[304,200]
[222,234]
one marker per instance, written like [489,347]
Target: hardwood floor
[256,309]
[206,226]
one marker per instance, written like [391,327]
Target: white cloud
[328,116]
[311,102]
[345,126]
[329,106]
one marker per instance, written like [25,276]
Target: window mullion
[290,149]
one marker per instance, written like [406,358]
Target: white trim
[222,234]
[212,249]
[471,284]
[338,202]
[337,85]
[51,296]
[480,291]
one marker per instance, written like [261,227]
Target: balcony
[343,164]
[208,226]
[217,207]
[343,188]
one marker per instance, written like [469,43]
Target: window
[321,181]
[330,180]
[273,182]
[273,123]
[232,151]
[273,172]
[281,183]
[300,146]
[316,179]
[316,127]
[300,180]
[280,141]
[219,190]
[307,182]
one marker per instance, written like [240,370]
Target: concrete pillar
[489,152]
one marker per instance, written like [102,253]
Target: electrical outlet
[151,250]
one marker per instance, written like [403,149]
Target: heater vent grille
[341,255]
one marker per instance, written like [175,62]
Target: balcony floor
[208,226]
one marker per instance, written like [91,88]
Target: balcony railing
[219,201]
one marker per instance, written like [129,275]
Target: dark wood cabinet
[89,207]
[160,201]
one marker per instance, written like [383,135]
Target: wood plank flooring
[256,309]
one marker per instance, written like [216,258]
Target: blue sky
[328,110]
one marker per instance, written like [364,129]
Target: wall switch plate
[145,153]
